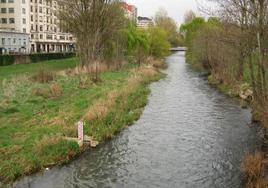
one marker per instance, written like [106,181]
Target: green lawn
[53,65]
[33,121]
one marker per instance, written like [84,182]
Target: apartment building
[131,11]
[144,22]
[38,19]
[46,35]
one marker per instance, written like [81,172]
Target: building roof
[140,18]
[128,7]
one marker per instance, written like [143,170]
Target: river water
[189,136]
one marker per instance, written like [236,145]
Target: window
[24,21]
[23,11]
[3,1]
[3,10]
[10,1]
[24,30]
[3,20]
[11,20]
[23,1]
[14,41]
[3,41]
[11,10]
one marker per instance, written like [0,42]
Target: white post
[80,127]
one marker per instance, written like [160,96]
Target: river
[189,136]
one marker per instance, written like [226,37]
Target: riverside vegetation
[38,110]
[233,48]
[106,86]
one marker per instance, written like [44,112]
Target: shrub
[252,169]
[32,58]
[7,60]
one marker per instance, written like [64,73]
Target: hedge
[32,58]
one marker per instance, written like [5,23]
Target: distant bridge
[178,49]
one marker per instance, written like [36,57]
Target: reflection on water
[188,136]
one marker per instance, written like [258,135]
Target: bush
[252,169]
[32,58]
[7,60]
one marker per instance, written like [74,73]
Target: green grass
[53,65]
[32,126]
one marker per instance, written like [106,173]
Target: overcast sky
[175,8]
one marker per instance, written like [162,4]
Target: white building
[144,22]
[14,42]
[46,35]
[38,19]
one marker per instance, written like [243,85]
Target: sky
[175,8]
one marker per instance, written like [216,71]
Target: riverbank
[254,165]
[40,108]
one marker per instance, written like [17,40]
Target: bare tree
[92,22]
[165,22]
[189,16]
[250,16]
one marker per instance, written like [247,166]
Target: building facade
[131,11]
[144,22]
[38,19]
[46,35]
[13,42]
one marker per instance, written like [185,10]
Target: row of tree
[104,34]
[233,46]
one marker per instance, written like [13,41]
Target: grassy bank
[38,108]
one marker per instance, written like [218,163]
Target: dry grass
[101,108]
[14,88]
[42,92]
[148,71]
[101,67]
[85,81]
[43,76]
[252,168]
[55,90]
[157,63]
